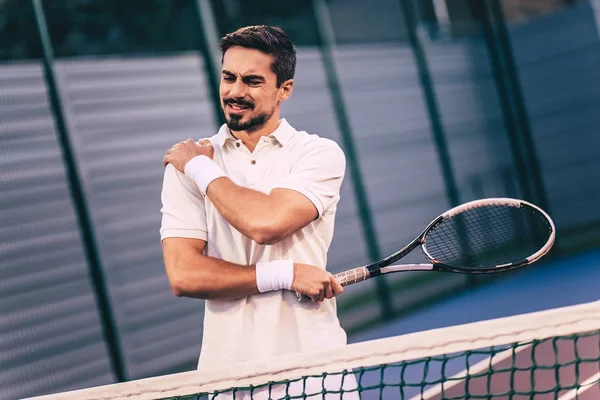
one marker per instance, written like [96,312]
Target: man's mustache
[241,103]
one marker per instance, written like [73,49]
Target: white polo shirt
[270,324]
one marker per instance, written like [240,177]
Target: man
[248,214]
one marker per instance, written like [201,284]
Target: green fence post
[327,40]
[431,103]
[433,111]
[595,4]
[211,53]
[109,328]
[513,103]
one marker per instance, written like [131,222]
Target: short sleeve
[183,209]
[317,173]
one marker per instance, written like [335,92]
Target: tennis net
[552,354]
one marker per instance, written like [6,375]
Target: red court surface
[535,371]
[558,283]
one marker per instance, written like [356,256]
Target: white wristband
[274,275]
[203,171]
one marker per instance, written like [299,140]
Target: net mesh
[553,354]
[488,235]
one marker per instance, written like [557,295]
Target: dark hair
[270,40]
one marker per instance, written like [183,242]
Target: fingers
[315,295]
[328,290]
[315,283]
[336,287]
[166,159]
[168,153]
[179,144]
[176,151]
[328,293]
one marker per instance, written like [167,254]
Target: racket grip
[345,278]
[352,276]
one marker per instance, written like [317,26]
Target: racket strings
[488,236]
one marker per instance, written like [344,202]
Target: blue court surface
[552,284]
[557,283]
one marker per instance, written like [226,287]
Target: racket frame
[384,266]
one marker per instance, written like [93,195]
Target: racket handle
[345,278]
[352,276]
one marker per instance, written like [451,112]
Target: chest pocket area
[263,173]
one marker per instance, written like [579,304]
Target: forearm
[249,211]
[204,277]
[192,274]
[252,213]
[266,219]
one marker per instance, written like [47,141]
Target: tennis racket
[479,237]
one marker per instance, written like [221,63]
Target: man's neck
[250,138]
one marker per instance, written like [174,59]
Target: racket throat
[404,268]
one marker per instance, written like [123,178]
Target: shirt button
[253,162]
[237,144]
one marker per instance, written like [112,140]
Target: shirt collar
[283,134]
[223,135]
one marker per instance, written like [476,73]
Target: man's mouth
[235,106]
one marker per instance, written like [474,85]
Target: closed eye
[250,80]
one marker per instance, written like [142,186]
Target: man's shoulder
[175,180]
[215,140]
[313,149]
[312,141]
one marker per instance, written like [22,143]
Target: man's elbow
[266,239]
[268,234]
[183,289]
[183,264]
[182,286]
[179,288]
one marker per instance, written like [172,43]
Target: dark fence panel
[558,59]
[51,333]
[124,114]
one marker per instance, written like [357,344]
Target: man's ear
[286,89]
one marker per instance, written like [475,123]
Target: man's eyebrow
[253,77]
[245,77]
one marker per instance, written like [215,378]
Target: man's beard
[234,121]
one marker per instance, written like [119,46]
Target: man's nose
[238,90]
